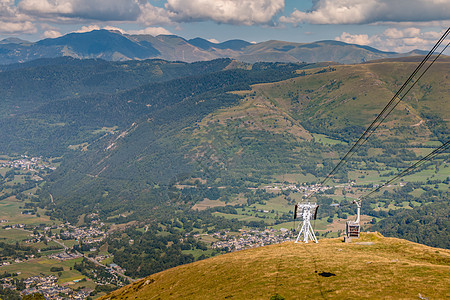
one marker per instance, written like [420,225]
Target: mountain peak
[100,43]
[236,45]
[13,40]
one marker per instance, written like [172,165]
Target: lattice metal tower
[307,211]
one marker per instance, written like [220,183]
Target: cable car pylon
[307,211]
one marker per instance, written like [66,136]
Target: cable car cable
[430,156]
[372,127]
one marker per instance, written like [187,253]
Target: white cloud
[99,10]
[394,39]
[370,11]
[395,33]
[246,12]
[10,13]
[7,9]
[151,31]
[87,28]
[17,27]
[52,34]
[213,41]
[12,21]
[46,7]
[104,10]
[360,39]
[152,15]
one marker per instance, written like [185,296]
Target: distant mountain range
[112,45]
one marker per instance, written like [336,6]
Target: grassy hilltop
[371,267]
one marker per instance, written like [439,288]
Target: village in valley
[61,260]
[64,260]
[52,287]
[39,254]
[250,239]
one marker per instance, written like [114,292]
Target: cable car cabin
[353,229]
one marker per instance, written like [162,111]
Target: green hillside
[209,123]
[311,52]
[230,140]
[371,267]
[304,124]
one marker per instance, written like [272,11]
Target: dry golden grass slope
[374,267]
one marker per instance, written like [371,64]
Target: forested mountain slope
[143,139]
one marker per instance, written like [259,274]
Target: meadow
[371,267]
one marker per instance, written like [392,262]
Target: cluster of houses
[47,286]
[44,285]
[62,256]
[87,235]
[250,239]
[27,163]
[299,188]
[12,226]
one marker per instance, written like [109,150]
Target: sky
[389,25]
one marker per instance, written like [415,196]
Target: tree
[35,296]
